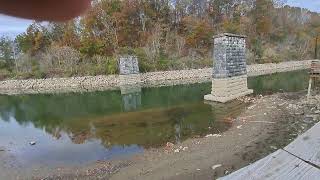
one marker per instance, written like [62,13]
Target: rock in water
[216,166]
[169,145]
[32,143]
[213,135]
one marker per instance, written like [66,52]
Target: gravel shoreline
[150,79]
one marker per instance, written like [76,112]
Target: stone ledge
[225,99]
[229,35]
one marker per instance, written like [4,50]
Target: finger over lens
[50,10]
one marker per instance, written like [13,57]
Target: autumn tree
[262,16]
[166,34]
[35,39]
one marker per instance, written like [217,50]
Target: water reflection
[279,82]
[82,127]
[131,97]
[225,112]
[104,124]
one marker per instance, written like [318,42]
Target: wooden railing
[314,73]
[315,68]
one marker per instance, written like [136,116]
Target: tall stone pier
[129,70]
[128,65]
[230,68]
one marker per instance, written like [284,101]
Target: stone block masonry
[230,68]
[128,65]
[227,89]
[129,70]
[229,55]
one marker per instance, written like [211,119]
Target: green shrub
[270,56]
[23,75]
[38,74]
[257,49]
[3,64]
[145,65]
[163,64]
[111,65]
[4,74]
[127,51]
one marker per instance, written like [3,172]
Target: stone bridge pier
[129,82]
[129,70]
[230,68]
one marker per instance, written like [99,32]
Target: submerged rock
[216,166]
[213,135]
[32,143]
[239,127]
[169,145]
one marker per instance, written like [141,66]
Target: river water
[78,128]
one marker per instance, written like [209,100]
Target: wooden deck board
[299,160]
[307,146]
[279,165]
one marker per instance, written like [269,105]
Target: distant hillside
[165,35]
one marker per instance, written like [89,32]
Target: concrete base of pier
[129,80]
[227,89]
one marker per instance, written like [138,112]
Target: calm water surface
[84,127]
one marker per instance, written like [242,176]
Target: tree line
[164,34]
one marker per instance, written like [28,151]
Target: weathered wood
[314,73]
[307,146]
[309,90]
[279,165]
[315,68]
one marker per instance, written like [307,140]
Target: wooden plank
[315,67]
[279,165]
[307,146]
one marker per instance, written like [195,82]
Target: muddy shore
[269,123]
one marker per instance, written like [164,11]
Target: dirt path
[271,122]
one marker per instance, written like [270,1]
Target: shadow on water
[82,127]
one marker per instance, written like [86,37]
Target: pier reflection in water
[82,127]
[131,97]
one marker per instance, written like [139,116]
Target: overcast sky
[13,26]
[313,5]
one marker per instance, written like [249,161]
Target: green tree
[6,49]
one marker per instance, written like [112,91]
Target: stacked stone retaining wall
[151,79]
[263,69]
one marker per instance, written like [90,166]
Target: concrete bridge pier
[230,68]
